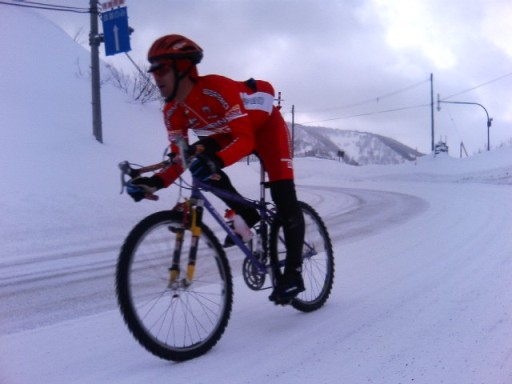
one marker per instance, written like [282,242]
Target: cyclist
[233,119]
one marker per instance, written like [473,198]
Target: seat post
[263,184]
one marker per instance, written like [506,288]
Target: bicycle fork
[194,216]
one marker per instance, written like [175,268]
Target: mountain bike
[174,282]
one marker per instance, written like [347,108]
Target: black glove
[205,145]
[205,165]
[138,188]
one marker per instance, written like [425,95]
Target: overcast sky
[341,63]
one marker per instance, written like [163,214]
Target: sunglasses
[160,69]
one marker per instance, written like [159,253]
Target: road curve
[42,290]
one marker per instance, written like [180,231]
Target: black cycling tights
[285,197]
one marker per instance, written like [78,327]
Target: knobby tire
[181,323]
[318,259]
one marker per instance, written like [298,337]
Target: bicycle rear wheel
[176,321]
[318,259]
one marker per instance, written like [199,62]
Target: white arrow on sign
[116,37]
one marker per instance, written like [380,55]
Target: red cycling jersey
[239,116]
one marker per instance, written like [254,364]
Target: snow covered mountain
[356,148]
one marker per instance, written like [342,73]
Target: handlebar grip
[133,173]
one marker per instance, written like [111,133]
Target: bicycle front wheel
[180,320]
[317,259]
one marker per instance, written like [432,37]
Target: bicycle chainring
[253,277]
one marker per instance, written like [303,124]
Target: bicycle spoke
[175,321]
[318,260]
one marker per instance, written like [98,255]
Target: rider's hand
[139,187]
[205,165]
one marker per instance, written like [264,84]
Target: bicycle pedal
[283,303]
[277,300]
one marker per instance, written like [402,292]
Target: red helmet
[175,47]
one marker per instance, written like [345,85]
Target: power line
[45,6]
[478,86]
[52,5]
[368,113]
[373,99]
[377,99]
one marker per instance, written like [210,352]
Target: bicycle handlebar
[132,173]
[184,157]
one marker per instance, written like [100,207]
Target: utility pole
[293,131]
[94,42]
[462,147]
[432,108]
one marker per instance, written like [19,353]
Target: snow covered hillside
[359,148]
[423,250]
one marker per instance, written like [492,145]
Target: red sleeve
[175,128]
[241,130]
[241,143]
[170,174]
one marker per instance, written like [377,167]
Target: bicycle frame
[266,214]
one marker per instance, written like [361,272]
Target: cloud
[496,25]
[334,60]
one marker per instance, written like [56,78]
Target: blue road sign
[115,31]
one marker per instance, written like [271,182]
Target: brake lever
[123,167]
[188,152]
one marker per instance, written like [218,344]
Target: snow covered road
[61,285]
[422,294]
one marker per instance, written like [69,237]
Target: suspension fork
[193,219]
[196,220]
[174,271]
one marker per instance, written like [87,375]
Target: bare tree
[137,85]
[80,36]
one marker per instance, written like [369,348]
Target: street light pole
[489,119]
